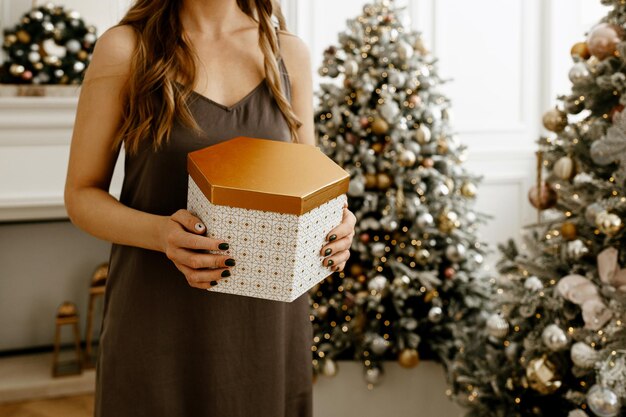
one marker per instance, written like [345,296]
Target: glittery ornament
[555,120]
[581,50]
[379,345]
[371,181]
[422,256]
[468,189]
[608,223]
[592,211]
[407,158]
[408,358]
[389,223]
[383,180]
[542,198]
[378,249]
[448,221]
[425,220]
[554,338]
[603,39]
[603,401]
[542,376]
[497,326]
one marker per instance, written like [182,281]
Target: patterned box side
[313,228]
[264,245]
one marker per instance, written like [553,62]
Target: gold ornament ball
[603,39]
[383,180]
[82,55]
[16,69]
[23,36]
[568,231]
[38,66]
[555,120]
[448,221]
[422,256]
[407,158]
[356,270]
[442,146]
[67,309]
[541,375]
[428,163]
[581,49]
[10,39]
[409,358]
[608,223]
[468,189]
[378,147]
[370,181]
[564,168]
[380,126]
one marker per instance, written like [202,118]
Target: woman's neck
[211,18]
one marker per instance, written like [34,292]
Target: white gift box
[274,202]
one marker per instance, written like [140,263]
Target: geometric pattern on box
[277,254]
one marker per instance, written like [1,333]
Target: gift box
[274,202]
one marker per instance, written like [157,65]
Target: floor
[79,406]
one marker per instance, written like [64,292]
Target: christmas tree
[414,274]
[556,345]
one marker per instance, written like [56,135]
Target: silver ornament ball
[603,401]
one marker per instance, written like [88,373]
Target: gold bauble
[16,69]
[408,358]
[542,376]
[608,223]
[468,189]
[581,49]
[38,66]
[448,221]
[380,126]
[356,270]
[370,181]
[23,36]
[383,180]
[568,231]
[543,197]
[378,147]
[407,158]
[82,55]
[67,309]
[442,146]
[10,39]
[422,256]
[555,120]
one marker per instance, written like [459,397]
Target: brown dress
[171,350]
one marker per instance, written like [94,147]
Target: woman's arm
[91,163]
[298,62]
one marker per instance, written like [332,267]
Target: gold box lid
[264,174]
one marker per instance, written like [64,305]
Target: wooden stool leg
[57,346]
[79,356]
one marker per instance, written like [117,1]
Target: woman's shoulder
[113,51]
[295,53]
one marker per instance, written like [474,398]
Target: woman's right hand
[183,240]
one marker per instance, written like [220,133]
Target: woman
[168,347]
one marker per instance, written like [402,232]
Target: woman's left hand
[337,250]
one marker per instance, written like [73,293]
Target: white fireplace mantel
[35,136]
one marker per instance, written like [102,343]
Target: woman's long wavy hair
[153,97]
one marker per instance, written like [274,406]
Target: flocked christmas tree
[414,273]
[557,345]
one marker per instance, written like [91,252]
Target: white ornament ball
[554,338]
[379,345]
[34,56]
[456,252]
[435,314]
[425,220]
[579,73]
[73,46]
[603,401]
[497,326]
[564,168]
[533,283]
[423,134]
[378,249]
[378,283]
[78,66]
[407,158]
[329,368]
[583,355]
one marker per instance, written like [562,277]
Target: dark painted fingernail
[230,262]
[327,251]
[332,237]
[330,262]
[223,246]
[226,273]
[213,283]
